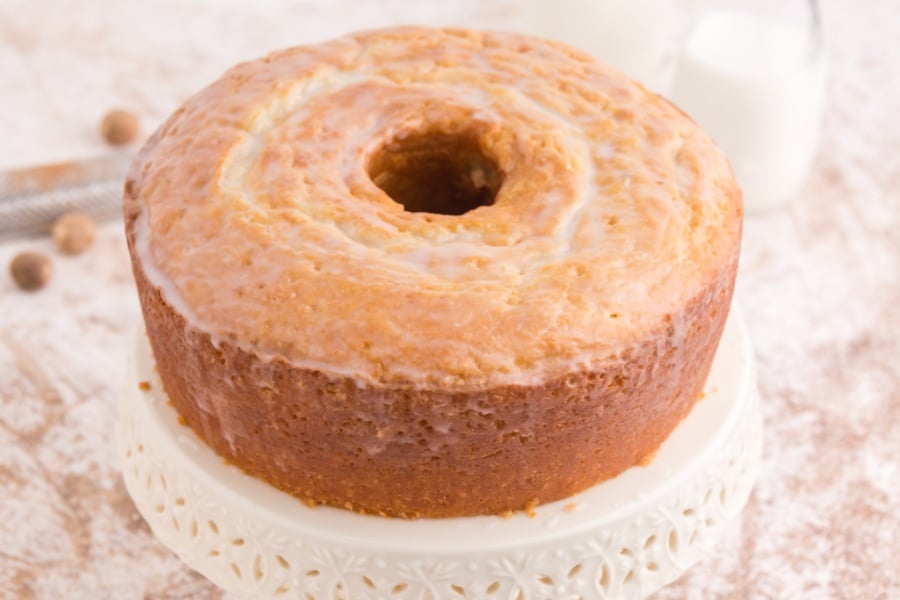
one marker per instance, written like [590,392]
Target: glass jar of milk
[752,74]
[634,36]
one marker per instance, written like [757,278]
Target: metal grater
[32,199]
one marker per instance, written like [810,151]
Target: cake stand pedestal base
[623,538]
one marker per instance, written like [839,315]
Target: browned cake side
[444,454]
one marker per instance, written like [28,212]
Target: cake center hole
[436,172]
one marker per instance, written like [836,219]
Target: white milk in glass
[756,85]
[634,36]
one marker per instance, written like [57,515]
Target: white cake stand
[621,539]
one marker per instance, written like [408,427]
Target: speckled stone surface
[819,285]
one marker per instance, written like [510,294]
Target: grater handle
[31,199]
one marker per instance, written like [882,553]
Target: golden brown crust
[320,328]
[265,219]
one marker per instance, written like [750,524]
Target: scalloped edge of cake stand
[623,538]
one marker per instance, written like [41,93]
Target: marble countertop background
[819,286]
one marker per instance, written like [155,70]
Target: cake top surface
[431,207]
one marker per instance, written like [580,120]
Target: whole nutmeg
[119,127]
[30,270]
[74,232]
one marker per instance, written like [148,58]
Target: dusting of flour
[818,286]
